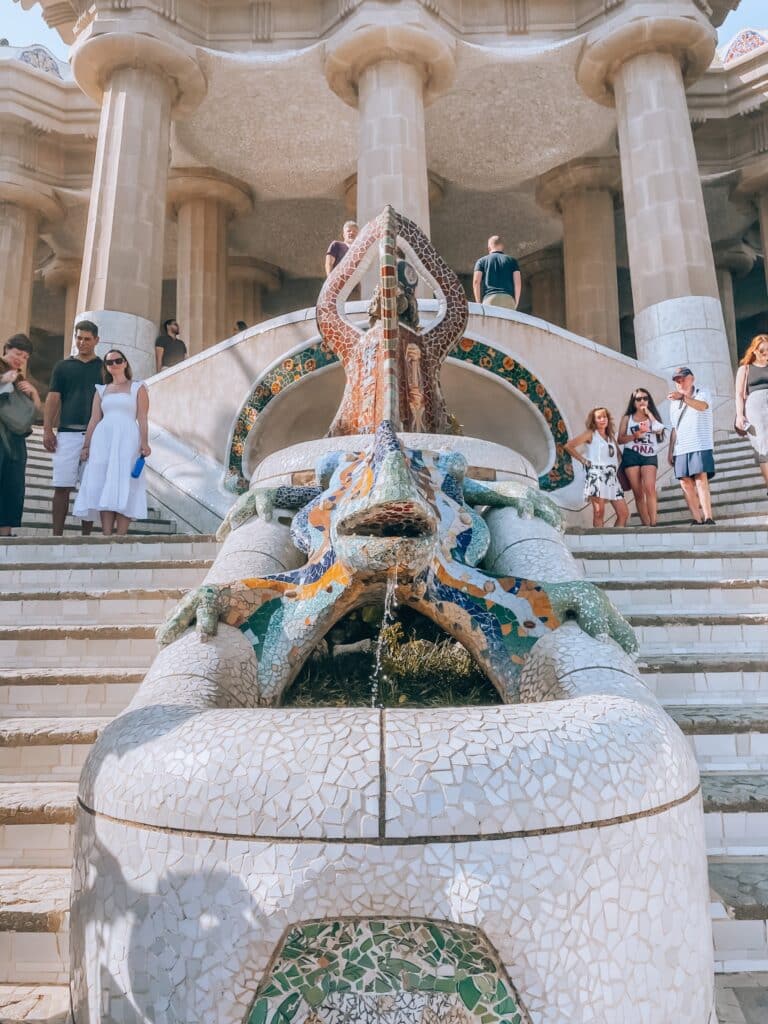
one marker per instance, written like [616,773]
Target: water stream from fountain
[390,611]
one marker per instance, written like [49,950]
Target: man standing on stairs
[691,446]
[68,407]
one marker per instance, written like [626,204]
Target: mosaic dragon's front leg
[587,605]
[528,502]
[206,606]
[261,502]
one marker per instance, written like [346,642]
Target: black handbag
[17,411]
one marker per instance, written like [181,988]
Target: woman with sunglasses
[116,436]
[641,431]
[601,460]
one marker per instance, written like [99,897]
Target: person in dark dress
[170,350]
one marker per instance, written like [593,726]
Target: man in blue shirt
[497,280]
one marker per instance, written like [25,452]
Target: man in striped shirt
[691,444]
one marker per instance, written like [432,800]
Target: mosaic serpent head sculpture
[392,513]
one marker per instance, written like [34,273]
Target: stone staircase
[698,600]
[77,617]
[36,520]
[738,491]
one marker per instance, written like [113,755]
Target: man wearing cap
[691,444]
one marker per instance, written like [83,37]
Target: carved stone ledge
[582,175]
[189,183]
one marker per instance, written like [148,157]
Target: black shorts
[629,458]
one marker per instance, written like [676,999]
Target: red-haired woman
[752,399]
[601,460]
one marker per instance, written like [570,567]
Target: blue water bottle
[137,467]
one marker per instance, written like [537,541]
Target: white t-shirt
[601,452]
[694,429]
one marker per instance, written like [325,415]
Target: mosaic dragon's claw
[204,605]
[258,502]
[527,501]
[592,610]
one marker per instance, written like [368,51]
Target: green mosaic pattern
[316,356]
[322,964]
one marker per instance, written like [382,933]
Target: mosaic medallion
[386,972]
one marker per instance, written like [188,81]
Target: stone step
[28,578]
[707,566]
[58,691]
[743,486]
[722,512]
[690,678]
[105,551]
[35,1004]
[29,647]
[725,737]
[84,607]
[739,888]
[736,813]
[36,824]
[702,632]
[631,540]
[34,926]
[41,520]
[686,594]
[46,749]
[742,997]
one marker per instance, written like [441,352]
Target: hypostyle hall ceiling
[272,121]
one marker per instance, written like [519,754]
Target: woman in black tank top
[752,399]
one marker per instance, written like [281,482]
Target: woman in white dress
[601,461]
[116,436]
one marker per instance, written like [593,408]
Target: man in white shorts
[68,407]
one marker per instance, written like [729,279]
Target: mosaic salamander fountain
[540,861]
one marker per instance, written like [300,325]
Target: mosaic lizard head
[390,510]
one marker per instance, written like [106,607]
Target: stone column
[248,278]
[23,206]
[64,272]
[582,192]
[204,200]
[734,259]
[543,278]
[389,63]
[635,62]
[141,82]
[754,183]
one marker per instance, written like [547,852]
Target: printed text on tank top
[644,444]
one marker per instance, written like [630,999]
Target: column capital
[61,271]
[542,262]
[754,178]
[32,195]
[735,256]
[104,47]
[680,31]
[188,183]
[590,174]
[435,185]
[377,32]
[249,268]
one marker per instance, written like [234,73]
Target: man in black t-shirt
[169,348]
[497,280]
[68,407]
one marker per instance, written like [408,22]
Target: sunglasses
[114,362]
[642,398]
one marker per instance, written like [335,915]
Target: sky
[20,27]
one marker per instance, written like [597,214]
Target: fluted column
[248,278]
[389,63]
[642,64]
[203,200]
[63,272]
[141,81]
[734,259]
[582,192]
[543,279]
[23,205]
